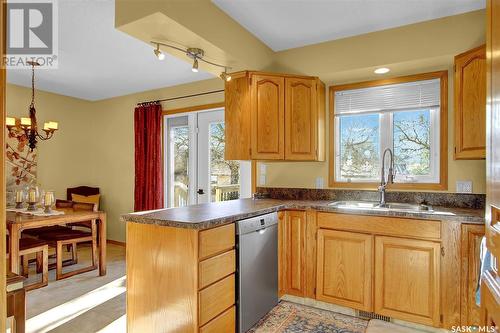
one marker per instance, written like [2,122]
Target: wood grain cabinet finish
[274,117]
[225,322]
[292,238]
[470,104]
[472,235]
[237,117]
[304,119]
[268,117]
[216,298]
[407,279]
[344,268]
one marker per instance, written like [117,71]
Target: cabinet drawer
[215,299]
[216,268]
[225,322]
[391,226]
[217,240]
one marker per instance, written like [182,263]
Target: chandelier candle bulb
[53,125]
[25,121]
[9,121]
[46,127]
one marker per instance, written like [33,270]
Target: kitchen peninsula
[406,265]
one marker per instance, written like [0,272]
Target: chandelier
[29,125]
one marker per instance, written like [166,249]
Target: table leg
[102,244]
[14,235]
[20,310]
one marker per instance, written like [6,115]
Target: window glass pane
[224,174]
[412,144]
[359,147]
[180,152]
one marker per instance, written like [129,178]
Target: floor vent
[372,315]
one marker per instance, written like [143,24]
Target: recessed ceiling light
[381,70]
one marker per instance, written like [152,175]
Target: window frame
[443,133]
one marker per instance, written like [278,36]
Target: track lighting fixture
[195,65]
[224,76]
[193,53]
[158,53]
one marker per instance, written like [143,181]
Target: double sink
[375,206]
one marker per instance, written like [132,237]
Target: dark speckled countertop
[205,216]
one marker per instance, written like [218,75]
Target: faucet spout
[390,176]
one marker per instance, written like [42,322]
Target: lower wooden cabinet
[344,268]
[407,279]
[471,241]
[292,249]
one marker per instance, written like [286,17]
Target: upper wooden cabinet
[470,104]
[274,117]
[268,117]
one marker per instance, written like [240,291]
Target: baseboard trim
[115,242]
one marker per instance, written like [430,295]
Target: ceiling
[96,61]
[285,24]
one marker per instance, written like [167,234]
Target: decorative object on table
[29,125]
[21,163]
[48,201]
[33,197]
[19,198]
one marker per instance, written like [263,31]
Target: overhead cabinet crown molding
[272,116]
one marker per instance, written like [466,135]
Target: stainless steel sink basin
[373,205]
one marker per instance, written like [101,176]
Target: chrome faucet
[390,176]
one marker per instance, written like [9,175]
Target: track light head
[195,65]
[224,76]
[158,53]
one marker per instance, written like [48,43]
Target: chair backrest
[81,190]
[85,206]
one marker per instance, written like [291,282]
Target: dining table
[18,222]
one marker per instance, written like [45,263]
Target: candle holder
[19,199]
[33,197]
[48,201]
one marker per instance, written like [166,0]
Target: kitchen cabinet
[470,104]
[407,279]
[344,268]
[268,117]
[472,235]
[272,116]
[291,253]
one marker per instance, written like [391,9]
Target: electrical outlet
[320,182]
[464,186]
[262,179]
[263,168]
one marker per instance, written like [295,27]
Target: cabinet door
[471,243]
[470,104]
[301,119]
[292,237]
[344,268]
[268,122]
[237,117]
[407,279]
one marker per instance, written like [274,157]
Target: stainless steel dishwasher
[257,240]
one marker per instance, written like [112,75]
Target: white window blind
[411,95]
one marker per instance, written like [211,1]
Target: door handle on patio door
[200,191]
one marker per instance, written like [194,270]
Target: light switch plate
[263,168]
[320,182]
[464,186]
[262,179]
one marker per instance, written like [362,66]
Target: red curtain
[148,192]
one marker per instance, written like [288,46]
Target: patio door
[195,168]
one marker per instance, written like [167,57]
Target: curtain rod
[181,97]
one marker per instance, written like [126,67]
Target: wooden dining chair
[60,239]
[39,248]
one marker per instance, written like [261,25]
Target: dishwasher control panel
[256,223]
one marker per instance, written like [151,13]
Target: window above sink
[406,114]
